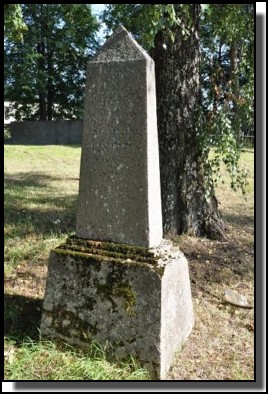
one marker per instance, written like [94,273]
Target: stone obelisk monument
[117,282]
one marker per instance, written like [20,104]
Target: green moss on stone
[109,253]
[127,293]
[97,252]
[112,249]
[116,287]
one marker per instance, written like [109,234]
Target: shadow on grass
[241,221]
[222,262]
[29,209]
[22,181]
[22,317]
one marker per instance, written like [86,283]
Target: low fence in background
[60,132]
[54,132]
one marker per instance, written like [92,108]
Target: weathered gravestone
[117,282]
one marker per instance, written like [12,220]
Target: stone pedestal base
[133,300]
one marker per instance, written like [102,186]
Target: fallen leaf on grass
[236,299]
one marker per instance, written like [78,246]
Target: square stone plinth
[135,301]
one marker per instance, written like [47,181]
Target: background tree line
[45,60]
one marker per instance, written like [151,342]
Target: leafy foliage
[228,87]
[14,24]
[144,21]
[227,73]
[44,75]
[7,133]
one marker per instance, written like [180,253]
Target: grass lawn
[41,187]
[221,346]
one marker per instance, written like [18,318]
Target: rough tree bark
[185,208]
[42,92]
[49,86]
[41,65]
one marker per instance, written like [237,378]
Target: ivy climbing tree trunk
[184,204]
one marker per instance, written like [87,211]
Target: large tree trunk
[185,208]
[42,88]
[42,106]
[41,49]
[42,92]
[50,89]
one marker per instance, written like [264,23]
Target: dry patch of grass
[221,346]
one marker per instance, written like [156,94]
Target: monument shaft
[119,192]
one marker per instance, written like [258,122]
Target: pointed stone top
[120,46]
